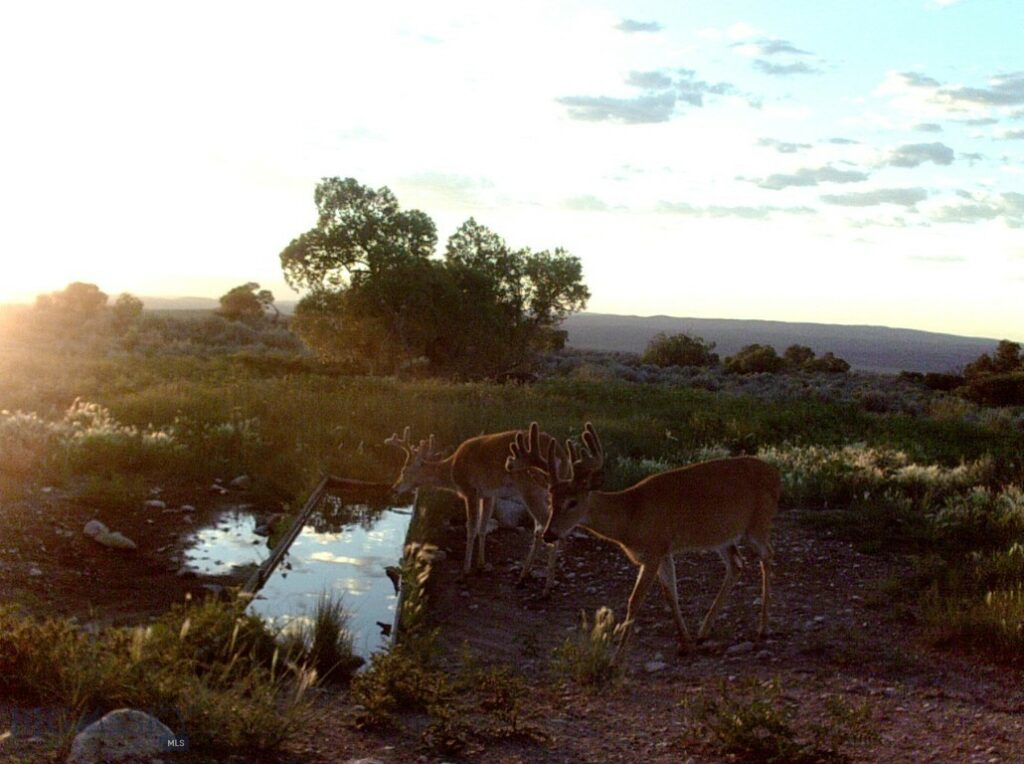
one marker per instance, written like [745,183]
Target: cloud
[927,127]
[1011,135]
[918,80]
[719,211]
[972,157]
[651,80]
[586,203]
[1008,206]
[782,146]
[843,141]
[455,189]
[1004,90]
[812,176]
[632,26]
[785,70]
[769,47]
[916,154]
[665,90]
[906,197]
[980,121]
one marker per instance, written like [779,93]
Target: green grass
[587,657]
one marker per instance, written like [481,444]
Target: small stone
[654,666]
[740,649]
[35,571]
[187,508]
[241,483]
[820,619]
[764,655]
[94,528]
[154,504]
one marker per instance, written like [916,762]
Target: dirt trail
[832,635]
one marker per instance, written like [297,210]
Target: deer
[709,505]
[476,473]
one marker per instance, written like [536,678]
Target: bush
[588,657]
[754,359]
[754,723]
[828,363]
[679,350]
[995,389]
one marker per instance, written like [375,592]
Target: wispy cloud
[783,147]
[769,47]
[927,127]
[665,90]
[906,197]
[916,154]
[632,26]
[720,211]
[981,207]
[631,111]
[811,176]
[1011,135]
[586,203]
[785,70]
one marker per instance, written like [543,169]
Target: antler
[591,460]
[525,452]
[403,442]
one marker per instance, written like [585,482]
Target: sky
[856,162]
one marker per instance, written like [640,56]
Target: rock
[35,571]
[115,540]
[241,483]
[654,666]
[509,513]
[154,504]
[740,649]
[363,761]
[218,489]
[124,735]
[187,508]
[93,528]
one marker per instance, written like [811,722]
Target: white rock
[94,528]
[35,571]
[115,540]
[124,735]
[740,649]
[509,513]
[154,504]
[242,483]
[653,666]
[187,508]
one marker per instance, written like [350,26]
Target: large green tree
[377,296]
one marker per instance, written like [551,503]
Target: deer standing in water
[710,505]
[476,472]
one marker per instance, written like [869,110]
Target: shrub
[995,389]
[679,350]
[324,642]
[588,656]
[829,364]
[754,359]
[798,355]
[753,723]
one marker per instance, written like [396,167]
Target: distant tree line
[995,379]
[377,298]
[684,349]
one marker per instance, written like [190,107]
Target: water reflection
[343,550]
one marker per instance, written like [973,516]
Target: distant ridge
[867,348]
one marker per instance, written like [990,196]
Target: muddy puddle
[345,550]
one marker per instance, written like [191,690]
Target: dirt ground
[832,635]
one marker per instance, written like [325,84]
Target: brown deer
[710,505]
[476,472]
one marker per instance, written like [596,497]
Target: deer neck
[437,474]
[608,518]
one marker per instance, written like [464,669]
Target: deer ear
[596,480]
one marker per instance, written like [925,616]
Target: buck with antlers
[711,505]
[476,472]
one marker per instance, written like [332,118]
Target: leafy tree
[754,359]
[377,296]
[828,363]
[126,311]
[798,355]
[679,350]
[78,300]
[1006,359]
[247,302]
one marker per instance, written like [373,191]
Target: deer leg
[472,521]
[528,560]
[731,557]
[486,510]
[766,553]
[549,580]
[640,589]
[667,578]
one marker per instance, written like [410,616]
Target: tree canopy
[378,296]
[247,302]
